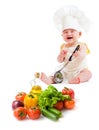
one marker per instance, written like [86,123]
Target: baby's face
[70,35]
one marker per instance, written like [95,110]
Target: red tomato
[68,91]
[59,105]
[71,93]
[20,113]
[34,113]
[20,96]
[69,104]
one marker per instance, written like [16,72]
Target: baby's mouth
[69,37]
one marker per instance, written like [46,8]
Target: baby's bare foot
[75,80]
[45,79]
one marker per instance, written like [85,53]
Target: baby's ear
[80,33]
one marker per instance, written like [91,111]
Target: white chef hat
[71,17]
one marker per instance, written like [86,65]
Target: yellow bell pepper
[30,100]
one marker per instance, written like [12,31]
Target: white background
[29,42]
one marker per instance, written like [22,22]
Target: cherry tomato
[71,93]
[68,91]
[69,104]
[20,113]
[59,105]
[34,113]
[20,96]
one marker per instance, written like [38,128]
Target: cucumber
[55,111]
[50,115]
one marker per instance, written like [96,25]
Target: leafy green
[49,97]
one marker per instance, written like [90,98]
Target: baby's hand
[76,54]
[81,53]
[63,52]
[61,56]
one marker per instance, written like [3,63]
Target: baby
[70,21]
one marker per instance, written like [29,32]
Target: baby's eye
[66,32]
[72,31]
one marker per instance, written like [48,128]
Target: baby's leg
[83,76]
[45,79]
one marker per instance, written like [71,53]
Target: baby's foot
[75,80]
[45,79]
